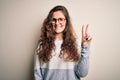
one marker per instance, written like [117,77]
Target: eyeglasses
[60,20]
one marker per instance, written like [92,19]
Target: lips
[58,28]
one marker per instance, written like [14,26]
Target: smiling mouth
[58,27]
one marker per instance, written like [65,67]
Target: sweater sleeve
[37,68]
[81,68]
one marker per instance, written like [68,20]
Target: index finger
[83,32]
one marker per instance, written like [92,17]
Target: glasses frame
[60,20]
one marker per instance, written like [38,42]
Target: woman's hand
[86,37]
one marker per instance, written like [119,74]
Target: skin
[59,28]
[85,34]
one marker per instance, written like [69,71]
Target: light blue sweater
[58,69]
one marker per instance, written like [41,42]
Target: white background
[20,22]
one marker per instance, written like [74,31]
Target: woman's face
[58,22]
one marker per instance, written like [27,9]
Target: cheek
[64,25]
[53,26]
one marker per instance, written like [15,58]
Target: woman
[59,55]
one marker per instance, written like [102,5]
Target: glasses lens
[60,20]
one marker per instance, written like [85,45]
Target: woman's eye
[60,19]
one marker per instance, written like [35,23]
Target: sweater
[58,69]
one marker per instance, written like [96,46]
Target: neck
[59,36]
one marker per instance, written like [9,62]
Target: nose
[56,22]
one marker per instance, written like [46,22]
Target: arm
[81,68]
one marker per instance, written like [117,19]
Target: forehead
[58,14]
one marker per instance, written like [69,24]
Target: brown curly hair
[69,50]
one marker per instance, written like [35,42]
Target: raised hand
[86,37]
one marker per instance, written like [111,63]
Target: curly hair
[69,50]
